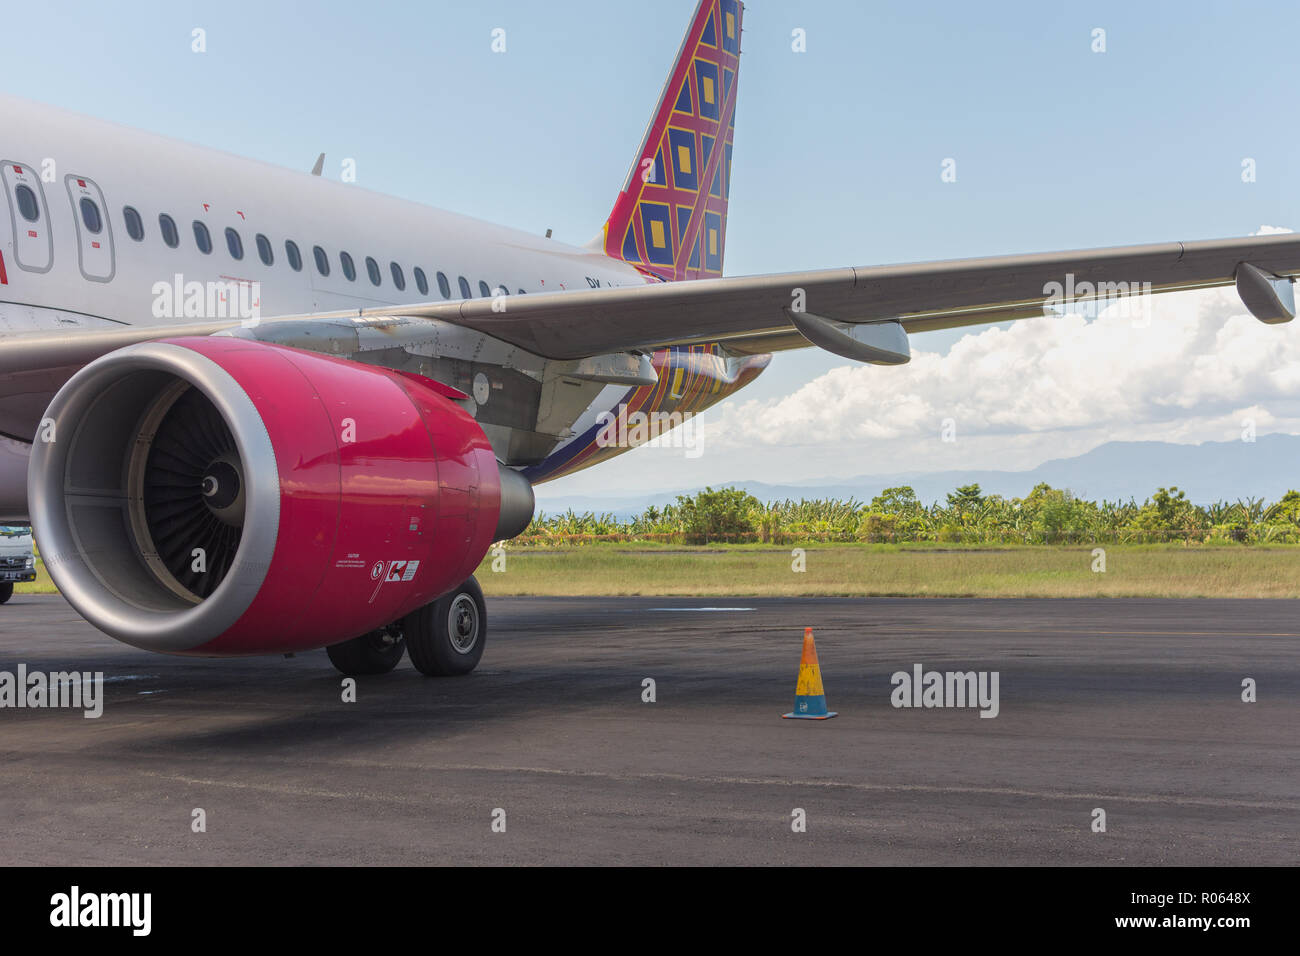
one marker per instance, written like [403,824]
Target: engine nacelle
[218,496]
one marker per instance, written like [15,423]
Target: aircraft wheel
[446,638]
[375,653]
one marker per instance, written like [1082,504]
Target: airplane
[251,411]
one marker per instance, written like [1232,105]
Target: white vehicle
[17,562]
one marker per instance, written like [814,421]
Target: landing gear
[375,653]
[6,592]
[446,638]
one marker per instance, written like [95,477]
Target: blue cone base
[810,707]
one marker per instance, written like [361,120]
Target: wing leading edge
[747,311]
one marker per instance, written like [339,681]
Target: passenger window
[234,244]
[421,281]
[444,286]
[91,217]
[399,277]
[293,255]
[202,237]
[464,287]
[322,260]
[134,225]
[264,251]
[167,226]
[349,267]
[27,204]
[372,270]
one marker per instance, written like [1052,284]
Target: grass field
[900,570]
[886,570]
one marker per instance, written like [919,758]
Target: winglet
[320,165]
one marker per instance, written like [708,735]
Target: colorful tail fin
[670,220]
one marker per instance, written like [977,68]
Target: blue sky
[838,149]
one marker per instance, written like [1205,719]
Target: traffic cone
[809,698]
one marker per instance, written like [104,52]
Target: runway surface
[1130,706]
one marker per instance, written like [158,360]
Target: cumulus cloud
[1193,370]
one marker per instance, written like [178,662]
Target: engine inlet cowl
[218,496]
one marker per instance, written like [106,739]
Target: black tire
[446,638]
[6,592]
[375,653]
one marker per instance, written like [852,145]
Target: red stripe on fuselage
[4,277]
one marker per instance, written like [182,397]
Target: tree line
[1046,515]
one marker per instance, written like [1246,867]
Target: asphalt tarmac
[1133,707]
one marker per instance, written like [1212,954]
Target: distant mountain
[1209,472]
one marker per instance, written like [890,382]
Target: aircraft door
[29,216]
[94,232]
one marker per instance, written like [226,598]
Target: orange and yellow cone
[809,697]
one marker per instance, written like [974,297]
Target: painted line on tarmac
[699,609]
[713,780]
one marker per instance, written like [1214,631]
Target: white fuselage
[59,275]
[114,284]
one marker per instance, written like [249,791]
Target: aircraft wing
[746,311]
[829,307]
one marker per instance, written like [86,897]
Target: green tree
[714,515]
[1054,513]
[1168,514]
[896,501]
[966,499]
